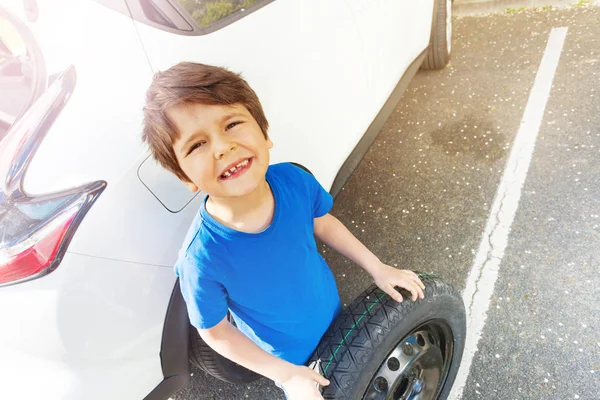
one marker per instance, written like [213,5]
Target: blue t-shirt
[280,291]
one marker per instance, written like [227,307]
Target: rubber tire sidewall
[447,306]
[437,53]
[444,308]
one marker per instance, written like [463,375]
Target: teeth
[228,173]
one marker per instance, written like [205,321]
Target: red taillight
[33,256]
[36,230]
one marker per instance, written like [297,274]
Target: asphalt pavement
[421,197]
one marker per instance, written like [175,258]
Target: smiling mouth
[236,170]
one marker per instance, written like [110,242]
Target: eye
[231,125]
[195,146]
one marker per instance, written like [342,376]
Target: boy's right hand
[302,384]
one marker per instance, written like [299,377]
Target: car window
[209,12]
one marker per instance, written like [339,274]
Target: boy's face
[221,149]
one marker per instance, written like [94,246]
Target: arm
[333,233]
[298,381]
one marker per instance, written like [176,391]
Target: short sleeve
[206,298]
[321,199]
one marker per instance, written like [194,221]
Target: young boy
[251,248]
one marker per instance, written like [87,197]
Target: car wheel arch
[174,348]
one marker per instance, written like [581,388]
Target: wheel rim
[417,368]
[449,25]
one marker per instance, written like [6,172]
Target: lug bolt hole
[431,338]
[393,364]
[381,384]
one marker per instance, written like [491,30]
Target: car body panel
[90,330]
[118,226]
[171,193]
[99,130]
[338,50]
[393,33]
[283,59]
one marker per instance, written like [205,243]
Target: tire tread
[343,355]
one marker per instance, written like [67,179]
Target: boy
[251,247]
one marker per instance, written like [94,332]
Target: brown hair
[189,82]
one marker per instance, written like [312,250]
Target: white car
[90,225]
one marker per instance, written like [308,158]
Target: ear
[269,144]
[191,186]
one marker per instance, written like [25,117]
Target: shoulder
[197,245]
[284,169]
[290,175]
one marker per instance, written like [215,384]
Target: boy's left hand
[387,278]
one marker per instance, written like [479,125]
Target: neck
[236,208]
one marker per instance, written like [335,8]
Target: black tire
[440,45]
[362,341]
[211,362]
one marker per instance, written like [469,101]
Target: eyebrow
[184,147]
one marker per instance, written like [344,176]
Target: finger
[413,273]
[416,278]
[414,292]
[408,285]
[413,289]
[421,292]
[389,289]
[321,380]
[419,289]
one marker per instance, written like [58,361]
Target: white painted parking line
[484,272]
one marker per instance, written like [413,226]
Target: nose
[223,145]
